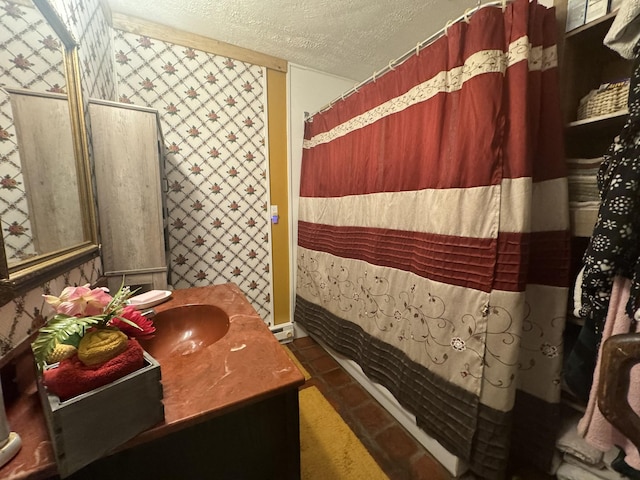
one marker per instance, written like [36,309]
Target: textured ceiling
[348,38]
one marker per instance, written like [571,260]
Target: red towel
[72,377]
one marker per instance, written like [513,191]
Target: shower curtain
[433,235]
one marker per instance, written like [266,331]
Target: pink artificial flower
[133,315]
[80,301]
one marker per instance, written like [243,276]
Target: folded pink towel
[72,377]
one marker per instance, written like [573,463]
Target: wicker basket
[608,98]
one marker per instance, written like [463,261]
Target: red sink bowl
[186,330]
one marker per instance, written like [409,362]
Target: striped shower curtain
[433,235]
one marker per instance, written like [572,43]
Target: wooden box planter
[89,426]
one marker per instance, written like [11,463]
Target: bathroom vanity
[231,407]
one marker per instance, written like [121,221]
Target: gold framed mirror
[47,212]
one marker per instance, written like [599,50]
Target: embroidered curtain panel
[433,234]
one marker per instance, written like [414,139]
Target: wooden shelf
[598,122]
[603,22]
[593,136]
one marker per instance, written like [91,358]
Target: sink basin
[185,330]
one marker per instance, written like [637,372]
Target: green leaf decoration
[73,340]
[56,331]
[69,329]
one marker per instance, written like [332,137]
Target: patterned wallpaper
[87,22]
[24,315]
[214,125]
[30,57]
[22,28]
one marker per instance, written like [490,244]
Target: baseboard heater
[283,332]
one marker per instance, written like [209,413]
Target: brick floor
[399,455]
[373,417]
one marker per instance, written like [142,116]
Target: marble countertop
[245,366]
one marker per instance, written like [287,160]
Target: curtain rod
[393,63]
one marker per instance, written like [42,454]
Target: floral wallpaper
[213,118]
[88,24]
[26,42]
[30,57]
[213,121]
[26,313]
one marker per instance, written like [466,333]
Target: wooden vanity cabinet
[128,158]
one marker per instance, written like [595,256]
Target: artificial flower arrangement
[90,340]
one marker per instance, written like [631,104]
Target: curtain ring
[504,5]
[373,77]
[355,88]
[390,65]
[418,48]
[467,14]
[447,25]
[342,96]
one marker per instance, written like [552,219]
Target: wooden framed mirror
[47,213]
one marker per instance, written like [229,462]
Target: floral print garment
[614,247]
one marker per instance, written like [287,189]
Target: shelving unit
[585,64]
[595,27]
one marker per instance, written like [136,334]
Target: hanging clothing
[624,33]
[593,426]
[614,247]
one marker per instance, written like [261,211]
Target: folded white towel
[570,442]
[604,473]
[587,178]
[573,470]
[592,204]
[624,33]
[583,161]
